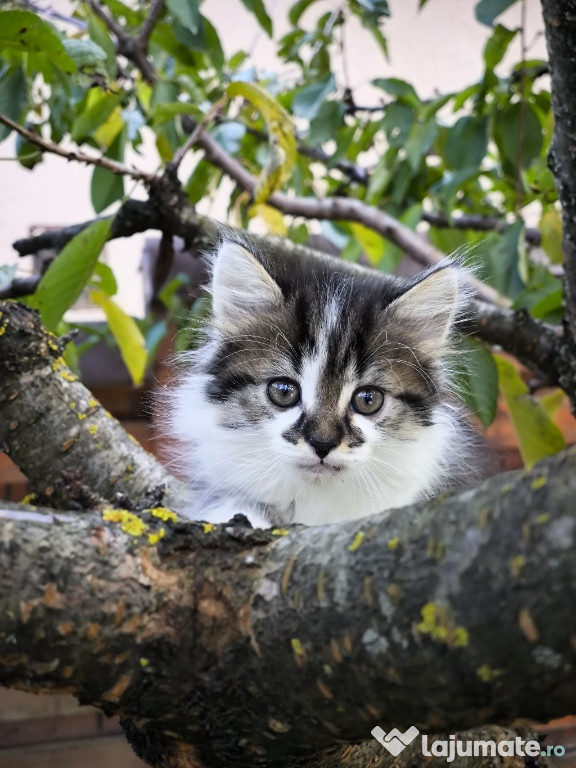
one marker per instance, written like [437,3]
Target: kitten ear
[240,284]
[428,309]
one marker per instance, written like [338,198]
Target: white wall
[437,49]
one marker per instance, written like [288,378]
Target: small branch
[531,341]
[478,223]
[340,209]
[20,286]
[77,155]
[148,27]
[126,45]
[193,138]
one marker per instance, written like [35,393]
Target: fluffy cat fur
[336,335]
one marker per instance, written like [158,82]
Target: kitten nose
[322,445]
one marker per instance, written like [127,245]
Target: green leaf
[131,343]
[466,143]
[400,88]
[99,34]
[65,278]
[326,123]
[200,181]
[487,10]
[537,434]
[421,139]
[28,33]
[497,45]
[161,113]
[86,54]
[371,242]
[98,108]
[13,96]
[501,259]
[371,11]
[257,8]
[551,230]
[475,379]
[397,122]
[107,187]
[518,136]
[308,100]
[103,279]
[297,10]
[187,12]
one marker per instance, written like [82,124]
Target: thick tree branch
[228,646]
[560,25]
[149,24]
[77,155]
[75,453]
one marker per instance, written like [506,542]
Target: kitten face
[321,385]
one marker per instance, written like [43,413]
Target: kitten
[319,393]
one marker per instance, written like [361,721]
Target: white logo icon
[395,741]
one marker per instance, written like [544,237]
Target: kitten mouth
[321,469]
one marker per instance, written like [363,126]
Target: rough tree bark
[228,646]
[560,25]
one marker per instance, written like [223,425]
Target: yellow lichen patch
[280,532]
[486,673]
[538,482]
[543,518]
[358,539]
[207,527]
[162,513]
[516,564]
[117,690]
[28,499]
[461,637]
[130,437]
[81,416]
[393,543]
[72,404]
[298,651]
[435,623]
[527,626]
[144,662]
[92,402]
[2,330]
[93,428]
[129,522]
[154,538]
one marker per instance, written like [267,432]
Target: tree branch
[83,454]
[75,154]
[135,50]
[148,27]
[560,25]
[228,646]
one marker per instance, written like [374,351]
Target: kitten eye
[283,392]
[367,400]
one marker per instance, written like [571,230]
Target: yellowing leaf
[127,334]
[110,128]
[551,231]
[273,218]
[282,137]
[537,435]
[371,242]
[552,402]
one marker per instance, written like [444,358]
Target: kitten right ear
[240,284]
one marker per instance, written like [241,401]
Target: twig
[148,27]
[192,139]
[127,46]
[478,223]
[341,209]
[77,155]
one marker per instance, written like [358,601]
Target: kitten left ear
[429,308]
[240,284]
